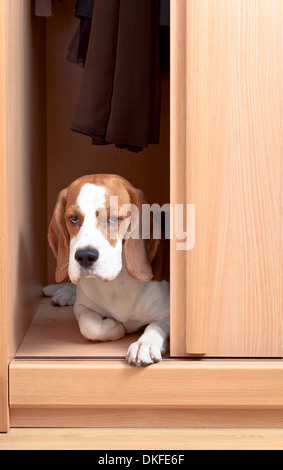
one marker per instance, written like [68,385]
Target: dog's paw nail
[143,354]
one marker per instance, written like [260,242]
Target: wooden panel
[141,418]
[170,384]
[3,229]
[22,185]
[233,161]
[178,172]
[26,166]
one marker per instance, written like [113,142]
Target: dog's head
[89,230]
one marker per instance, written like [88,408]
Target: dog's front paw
[62,295]
[144,353]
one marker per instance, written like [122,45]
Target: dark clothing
[119,100]
[80,42]
[164,16]
[84,8]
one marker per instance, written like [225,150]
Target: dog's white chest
[134,303]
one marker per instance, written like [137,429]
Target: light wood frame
[40,388]
[22,179]
[4,420]
[169,385]
[110,393]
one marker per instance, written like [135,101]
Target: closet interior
[45,157]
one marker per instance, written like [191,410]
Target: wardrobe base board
[134,418]
[171,384]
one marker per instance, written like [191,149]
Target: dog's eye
[113,220]
[74,219]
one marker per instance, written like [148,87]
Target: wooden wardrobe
[221,151]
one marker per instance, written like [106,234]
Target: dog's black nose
[86,258]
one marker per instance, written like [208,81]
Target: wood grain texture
[233,160]
[26,166]
[178,172]
[142,439]
[171,384]
[3,228]
[143,418]
[23,176]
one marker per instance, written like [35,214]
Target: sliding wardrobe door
[226,159]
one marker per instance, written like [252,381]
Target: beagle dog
[119,280]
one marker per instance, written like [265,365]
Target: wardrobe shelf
[54,333]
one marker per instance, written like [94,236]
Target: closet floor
[54,333]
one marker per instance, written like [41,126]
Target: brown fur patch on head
[138,253]
[58,237]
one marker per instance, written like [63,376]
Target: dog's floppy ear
[58,237]
[139,253]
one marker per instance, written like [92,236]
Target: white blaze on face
[90,201]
